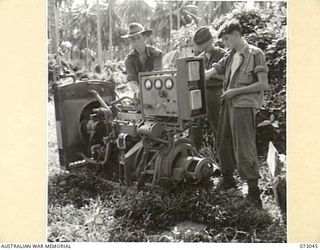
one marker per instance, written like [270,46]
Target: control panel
[179,93]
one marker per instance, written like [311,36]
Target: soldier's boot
[226,183]
[254,193]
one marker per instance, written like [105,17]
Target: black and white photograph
[166,121]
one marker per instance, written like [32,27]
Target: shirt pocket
[245,77]
[246,73]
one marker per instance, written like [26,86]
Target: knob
[162,93]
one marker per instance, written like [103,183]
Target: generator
[73,106]
[148,135]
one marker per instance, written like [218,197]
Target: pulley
[181,162]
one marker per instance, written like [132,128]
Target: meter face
[158,84]
[168,83]
[148,84]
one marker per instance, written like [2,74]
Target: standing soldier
[143,57]
[203,41]
[245,72]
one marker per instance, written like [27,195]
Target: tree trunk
[57,18]
[202,13]
[52,26]
[170,21]
[57,35]
[110,26]
[87,40]
[99,52]
[210,17]
[178,16]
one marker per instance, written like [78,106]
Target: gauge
[158,84]
[148,84]
[168,83]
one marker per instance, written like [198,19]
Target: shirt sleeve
[157,63]
[222,53]
[260,63]
[220,66]
[131,72]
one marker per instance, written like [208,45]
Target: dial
[158,84]
[168,83]
[148,84]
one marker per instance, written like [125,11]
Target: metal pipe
[107,154]
[121,99]
[100,100]
[104,104]
[161,140]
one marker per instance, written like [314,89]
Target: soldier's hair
[228,27]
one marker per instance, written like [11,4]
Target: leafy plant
[227,217]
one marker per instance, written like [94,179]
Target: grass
[83,206]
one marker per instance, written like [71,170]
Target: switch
[195,99]
[193,71]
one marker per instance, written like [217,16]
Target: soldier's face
[137,42]
[231,40]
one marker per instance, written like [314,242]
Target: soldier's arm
[222,53]
[218,76]
[157,63]
[217,70]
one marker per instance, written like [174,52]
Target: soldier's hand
[210,73]
[207,75]
[134,86]
[229,94]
